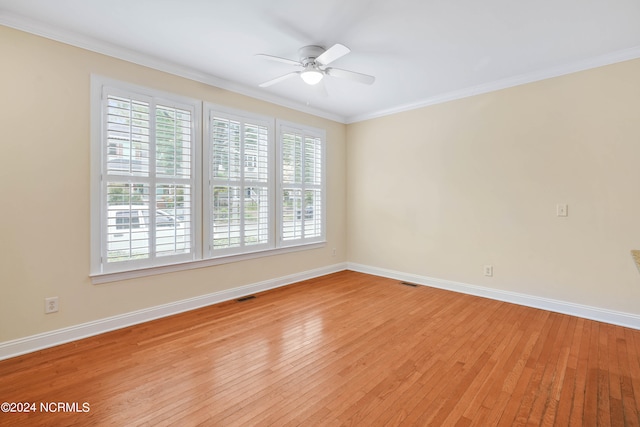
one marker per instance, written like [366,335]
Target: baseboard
[44,340]
[593,313]
[33,343]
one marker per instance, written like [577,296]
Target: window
[177,185]
[146,181]
[301,197]
[240,192]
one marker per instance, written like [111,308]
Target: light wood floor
[344,349]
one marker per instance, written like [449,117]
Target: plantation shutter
[147,206]
[239,184]
[301,186]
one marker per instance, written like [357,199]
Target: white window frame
[283,127]
[101,87]
[201,238]
[211,110]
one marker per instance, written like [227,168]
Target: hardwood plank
[581,377]
[629,348]
[558,374]
[523,374]
[590,410]
[616,410]
[481,388]
[565,401]
[536,386]
[343,349]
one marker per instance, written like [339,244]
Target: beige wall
[438,191]
[44,196]
[443,190]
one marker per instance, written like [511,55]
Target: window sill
[97,279]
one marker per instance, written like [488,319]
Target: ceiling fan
[314,61]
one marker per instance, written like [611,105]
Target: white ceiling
[421,51]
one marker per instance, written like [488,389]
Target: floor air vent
[248,297]
[413,285]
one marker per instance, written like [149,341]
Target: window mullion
[303,172]
[153,179]
[242,183]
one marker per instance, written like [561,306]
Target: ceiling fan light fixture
[314,61]
[311,76]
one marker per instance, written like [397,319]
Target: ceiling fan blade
[279,79]
[278,59]
[334,52]
[350,75]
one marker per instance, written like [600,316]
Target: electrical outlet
[562,210]
[50,305]
[333,252]
[488,270]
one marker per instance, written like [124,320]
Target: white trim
[89,43]
[37,342]
[628,320]
[548,73]
[95,195]
[94,45]
[97,279]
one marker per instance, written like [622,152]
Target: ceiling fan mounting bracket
[310,53]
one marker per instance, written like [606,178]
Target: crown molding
[92,44]
[548,73]
[119,52]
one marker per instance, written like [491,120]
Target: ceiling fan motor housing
[308,54]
